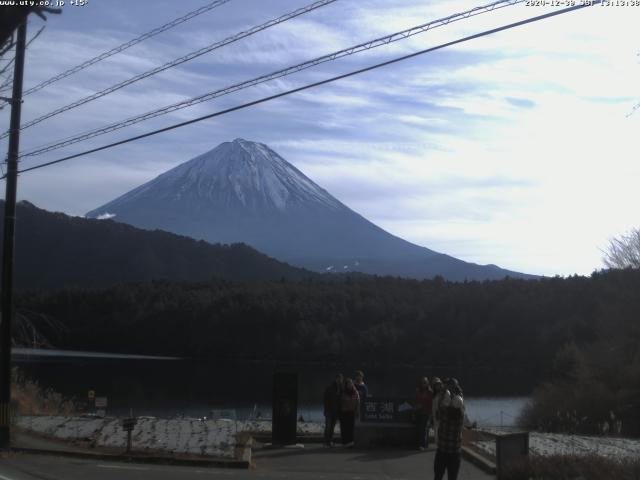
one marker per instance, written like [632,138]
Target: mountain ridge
[243,191]
[57,250]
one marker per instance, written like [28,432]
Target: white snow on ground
[218,437]
[173,435]
[560,444]
[264,426]
[176,435]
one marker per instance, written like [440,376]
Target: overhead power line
[394,37]
[6,85]
[178,61]
[7,66]
[129,44]
[315,84]
[37,34]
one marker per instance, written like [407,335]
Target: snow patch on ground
[264,427]
[176,435]
[546,444]
[173,435]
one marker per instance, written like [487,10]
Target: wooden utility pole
[9,240]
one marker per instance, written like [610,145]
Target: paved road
[317,462]
[310,463]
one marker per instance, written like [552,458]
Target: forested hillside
[56,250]
[493,326]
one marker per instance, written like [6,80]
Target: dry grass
[29,398]
[570,467]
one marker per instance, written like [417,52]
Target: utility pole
[9,240]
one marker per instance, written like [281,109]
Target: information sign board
[386,410]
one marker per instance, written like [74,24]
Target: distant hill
[243,191]
[56,250]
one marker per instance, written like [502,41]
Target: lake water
[486,412]
[169,387]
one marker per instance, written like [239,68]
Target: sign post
[101,405]
[128,424]
[91,401]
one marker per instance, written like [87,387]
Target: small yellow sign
[91,394]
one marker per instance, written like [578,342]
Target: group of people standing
[438,403]
[342,402]
[441,404]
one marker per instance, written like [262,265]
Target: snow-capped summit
[243,191]
[238,174]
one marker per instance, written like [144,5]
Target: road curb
[267,438]
[479,461]
[158,460]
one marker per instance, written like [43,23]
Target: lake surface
[169,387]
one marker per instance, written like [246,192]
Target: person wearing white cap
[451,412]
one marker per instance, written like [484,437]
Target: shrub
[571,467]
[29,398]
[594,397]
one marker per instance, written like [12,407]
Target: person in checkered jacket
[451,413]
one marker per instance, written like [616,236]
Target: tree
[624,251]
[569,364]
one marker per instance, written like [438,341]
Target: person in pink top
[423,405]
[349,410]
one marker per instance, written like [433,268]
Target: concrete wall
[385,434]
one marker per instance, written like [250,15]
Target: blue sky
[514,149]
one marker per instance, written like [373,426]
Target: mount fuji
[243,191]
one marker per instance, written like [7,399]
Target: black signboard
[386,410]
[129,424]
[285,408]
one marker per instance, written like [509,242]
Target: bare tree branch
[624,251]
[8,45]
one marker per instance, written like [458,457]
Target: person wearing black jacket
[332,396]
